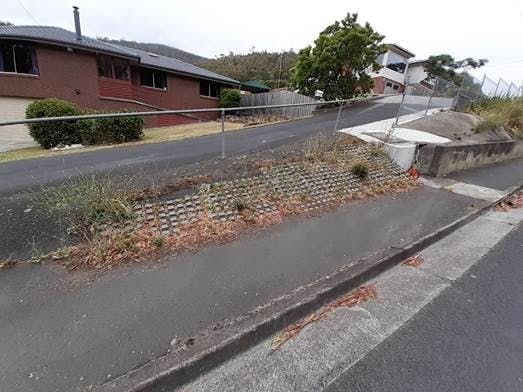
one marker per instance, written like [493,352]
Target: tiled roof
[59,36]
[178,66]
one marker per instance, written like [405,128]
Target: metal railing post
[431,95]
[399,110]
[338,117]
[223,134]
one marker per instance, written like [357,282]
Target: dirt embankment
[458,127]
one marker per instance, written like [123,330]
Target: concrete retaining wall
[438,160]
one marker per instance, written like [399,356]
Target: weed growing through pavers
[87,204]
[360,170]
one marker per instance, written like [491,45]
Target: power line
[27,11]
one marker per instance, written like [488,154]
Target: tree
[445,67]
[2,23]
[340,61]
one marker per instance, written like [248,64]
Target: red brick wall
[73,76]
[64,75]
[379,85]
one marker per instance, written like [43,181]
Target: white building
[391,78]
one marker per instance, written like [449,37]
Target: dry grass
[8,263]
[106,249]
[158,135]
[500,112]
[514,201]
[414,261]
[362,294]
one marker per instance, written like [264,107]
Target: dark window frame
[16,58]
[106,66]
[158,79]
[212,89]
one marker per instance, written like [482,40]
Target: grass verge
[152,135]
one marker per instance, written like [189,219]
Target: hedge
[93,131]
[51,134]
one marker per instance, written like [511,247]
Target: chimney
[77,23]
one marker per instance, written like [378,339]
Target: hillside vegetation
[264,66]
[161,49]
[500,112]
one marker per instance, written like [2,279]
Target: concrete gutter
[218,344]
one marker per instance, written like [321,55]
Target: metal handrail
[183,111]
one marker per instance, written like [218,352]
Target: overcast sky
[480,29]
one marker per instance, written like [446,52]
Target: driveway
[13,137]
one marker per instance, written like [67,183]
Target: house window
[121,69]
[112,68]
[395,87]
[18,58]
[389,84]
[396,62]
[105,66]
[209,89]
[152,78]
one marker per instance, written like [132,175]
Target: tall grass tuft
[500,112]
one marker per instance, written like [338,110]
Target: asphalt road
[70,334]
[468,339]
[152,158]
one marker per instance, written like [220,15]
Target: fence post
[431,95]
[338,118]
[399,110]
[482,84]
[497,86]
[223,134]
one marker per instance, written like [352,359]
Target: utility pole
[281,66]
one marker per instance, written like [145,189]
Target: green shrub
[230,98]
[113,130]
[51,134]
[360,170]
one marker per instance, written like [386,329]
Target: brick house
[391,78]
[43,62]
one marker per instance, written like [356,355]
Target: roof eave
[196,76]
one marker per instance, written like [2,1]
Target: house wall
[416,73]
[73,76]
[380,86]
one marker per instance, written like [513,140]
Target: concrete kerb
[230,338]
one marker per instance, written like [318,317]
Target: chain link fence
[439,94]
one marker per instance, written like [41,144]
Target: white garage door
[14,136]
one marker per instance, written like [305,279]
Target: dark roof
[178,66]
[255,85]
[59,36]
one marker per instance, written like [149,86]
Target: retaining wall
[438,160]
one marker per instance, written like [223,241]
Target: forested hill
[164,50]
[264,66]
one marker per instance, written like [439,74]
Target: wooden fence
[281,97]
